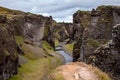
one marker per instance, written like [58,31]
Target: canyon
[28,43]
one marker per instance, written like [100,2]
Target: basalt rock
[3,18]
[34,28]
[49,35]
[78,41]
[98,31]
[8,52]
[81,20]
[97,25]
[64,31]
[107,57]
[30,27]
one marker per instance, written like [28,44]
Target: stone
[98,42]
[3,18]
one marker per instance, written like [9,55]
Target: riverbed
[61,51]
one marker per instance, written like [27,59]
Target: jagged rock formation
[78,28]
[8,50]
[34,29]
[31,27]
[63,31]
[97,31]
[49,34]
[107,57]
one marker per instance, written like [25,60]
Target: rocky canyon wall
[93,29]
[33,28]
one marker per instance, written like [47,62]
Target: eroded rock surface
[8,51]
[107,57]
[16,28]
[98,31]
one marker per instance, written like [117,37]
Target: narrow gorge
[36,47]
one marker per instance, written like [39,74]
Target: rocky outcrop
[8,50]
[81,20]
[63,31]
[31,27]
[98,32]
[107,57]
[49,34]
[97,26]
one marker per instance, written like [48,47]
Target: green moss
[69,48]
[47,47]
[36,69]
[19,40]
[93,42]
[56,42]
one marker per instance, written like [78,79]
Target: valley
[36,47]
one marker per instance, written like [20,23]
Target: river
[61,51]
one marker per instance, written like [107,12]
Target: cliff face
[80,22]
[96,31]
[34,29]
[49,34]
[107,56]
[63,31]
[8,49]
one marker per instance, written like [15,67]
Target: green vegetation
[69,48]
[57,36]
[56,42]
[93,42]
[37,69]
[101,75]
[39,65]
[9,12]
[47,47]
[19,40]
[4,10]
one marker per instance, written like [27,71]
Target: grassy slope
[69,48]
[37,69]
[56,42]
[40,64]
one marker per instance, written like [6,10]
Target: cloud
[61,10]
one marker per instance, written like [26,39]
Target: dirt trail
[79,71]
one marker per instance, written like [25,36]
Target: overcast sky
[61,10]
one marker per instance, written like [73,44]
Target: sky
[60,10]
